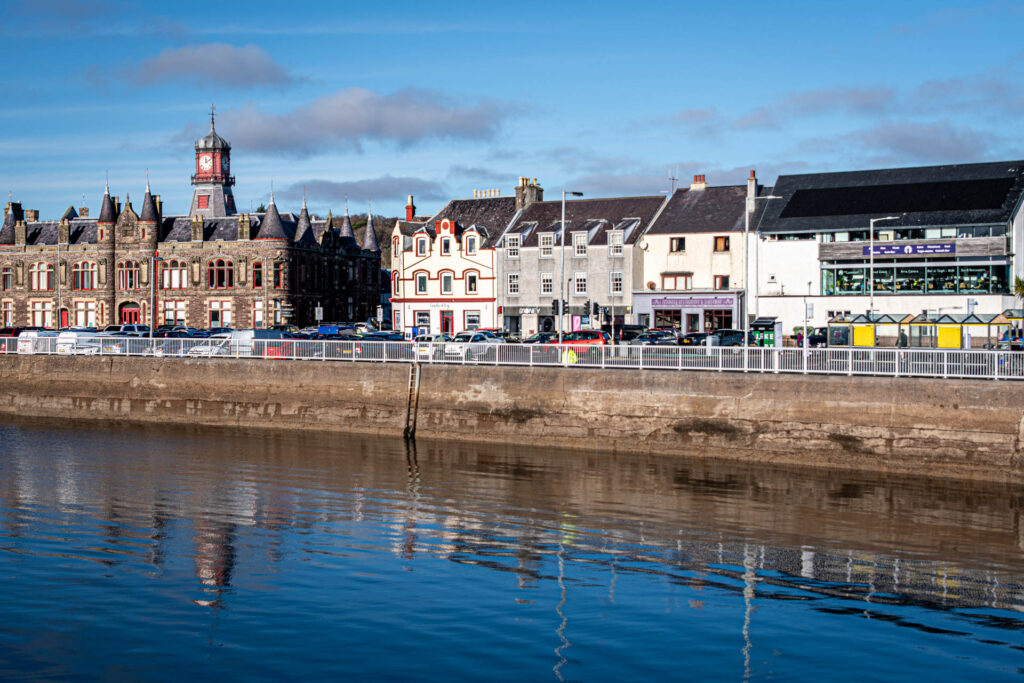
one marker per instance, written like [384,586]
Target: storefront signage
[693,301]
[911,249]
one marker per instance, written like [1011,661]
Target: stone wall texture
[947,428]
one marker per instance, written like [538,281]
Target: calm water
[169,554]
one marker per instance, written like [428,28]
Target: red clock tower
[213,180]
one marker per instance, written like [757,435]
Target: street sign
[810,311]
[318,313]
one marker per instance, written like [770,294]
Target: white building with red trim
[443,268]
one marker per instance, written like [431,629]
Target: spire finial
[147,180]
[213,109]
[107,187]
[369,208]
[303,196]
[346,205]
[271,191]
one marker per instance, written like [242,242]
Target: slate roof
[959,194]
[149,213]
[370,242]
[272,226]
[632,215]
[303,227]
[713,209]
[409,228]
[490,216]
[107,208]
[346,226]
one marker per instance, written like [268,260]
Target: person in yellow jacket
[569,356]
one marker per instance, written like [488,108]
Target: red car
[584,337]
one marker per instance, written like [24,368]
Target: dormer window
[579,244]
[471,244]
[446,246]
[421,246]
[512,246]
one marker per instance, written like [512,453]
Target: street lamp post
[561,284]
[56,271]
[748,207]
[871,257]
[152,292]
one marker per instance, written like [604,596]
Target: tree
[262,208]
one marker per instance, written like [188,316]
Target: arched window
[83,275]
[7,279]
[257,275]
[278,274]
[447,281]
[40,277]
[472,281]
[221,274]
[128,275]
[173,275]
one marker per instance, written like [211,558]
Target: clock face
[206,162]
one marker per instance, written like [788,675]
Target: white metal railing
[891,362]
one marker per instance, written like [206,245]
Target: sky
[376,101]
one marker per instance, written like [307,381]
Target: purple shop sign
[693,301]
[911,249]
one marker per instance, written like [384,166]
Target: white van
[74,341]
[236,343]
[37,341]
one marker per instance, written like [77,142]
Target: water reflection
[286,531]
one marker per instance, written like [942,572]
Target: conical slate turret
[370,237]
[346,226]
[272,228]
[107,208]
[149,212]
[304,228]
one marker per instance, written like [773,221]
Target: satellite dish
[642,244]
[651,286]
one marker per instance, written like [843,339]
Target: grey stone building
[593,264]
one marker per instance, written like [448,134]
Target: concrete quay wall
[948,428]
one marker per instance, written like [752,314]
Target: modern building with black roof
[945,240]
[213,267]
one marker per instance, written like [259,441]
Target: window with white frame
[85,313]
[83,275]
[41,314]
[421,246]
[512,284]
[579,244]
[512,246]
[7,314]
[40,278]
[423,319]
[446,246]
[547,283]
[615,282]
[471,283]
[446,283]
[547,244]
[677,244]
[421,283]
[258,313]
[615,243]
[472,320]
[173,312]
[174,275]
[579,282]
[471,244]
[7,279]
[220,314]
[398,320]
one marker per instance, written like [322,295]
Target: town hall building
[213,267]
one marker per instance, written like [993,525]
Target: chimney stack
[528,192]
[751,190]
[31,215]
[410,210]
[699,183]
[83,212]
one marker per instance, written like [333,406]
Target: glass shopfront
[919,279]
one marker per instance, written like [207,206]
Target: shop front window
[664,319]
[974,279]
[850,281]
[883,280]
[941,279]
[910,280]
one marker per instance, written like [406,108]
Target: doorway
[63,318]
[446,323]
[130,314]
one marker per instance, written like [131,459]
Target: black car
[541,338]
[730,337]
[818,337]
[694,339]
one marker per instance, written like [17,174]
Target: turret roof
[370,242]
[272,228]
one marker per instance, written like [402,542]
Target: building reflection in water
[880,541]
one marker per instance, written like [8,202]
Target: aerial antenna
[213,108]
[672,181]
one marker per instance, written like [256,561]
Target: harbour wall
[947,428]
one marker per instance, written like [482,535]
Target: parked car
[624,333]
[129,330]
[541,338]
[654,338]
[236,343]
[694,339]
[473,345]
[427,346]
[383,336]
[74,341]
[587,337]
[731,337]
[37,341]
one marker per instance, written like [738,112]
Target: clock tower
[212,179]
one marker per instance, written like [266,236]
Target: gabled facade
[212,268]
[693,259]
[597,246]
[442,268]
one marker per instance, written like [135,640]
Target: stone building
[212,268]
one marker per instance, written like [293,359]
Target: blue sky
[380,100]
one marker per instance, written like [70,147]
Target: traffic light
[586,307]
[554,308]
[594,309]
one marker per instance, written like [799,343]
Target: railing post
[945,364]
[849,362]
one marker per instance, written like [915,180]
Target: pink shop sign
[693,301]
